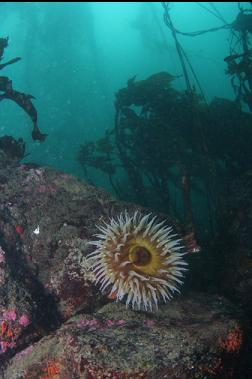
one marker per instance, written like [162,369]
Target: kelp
[22,99]
[174,149]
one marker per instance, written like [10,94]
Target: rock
[53,322]
[197,336]
[17,310]
[46,219]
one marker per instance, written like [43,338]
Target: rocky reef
[193,337]
[54,323]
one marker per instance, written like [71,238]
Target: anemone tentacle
[139,259]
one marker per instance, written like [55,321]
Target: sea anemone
[139,259]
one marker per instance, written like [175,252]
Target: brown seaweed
[20,98]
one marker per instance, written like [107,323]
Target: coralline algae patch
[12,320]
[11,327]
[233,342]
[47,369]
[229,347]
[52,370]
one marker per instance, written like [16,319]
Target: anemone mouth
[140,256]
[138,259]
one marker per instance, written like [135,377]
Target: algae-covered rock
[53,320]
[46,219]
[193,337]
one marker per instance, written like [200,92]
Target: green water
[75,56]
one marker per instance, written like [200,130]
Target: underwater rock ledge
[52,321]
[192,337]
